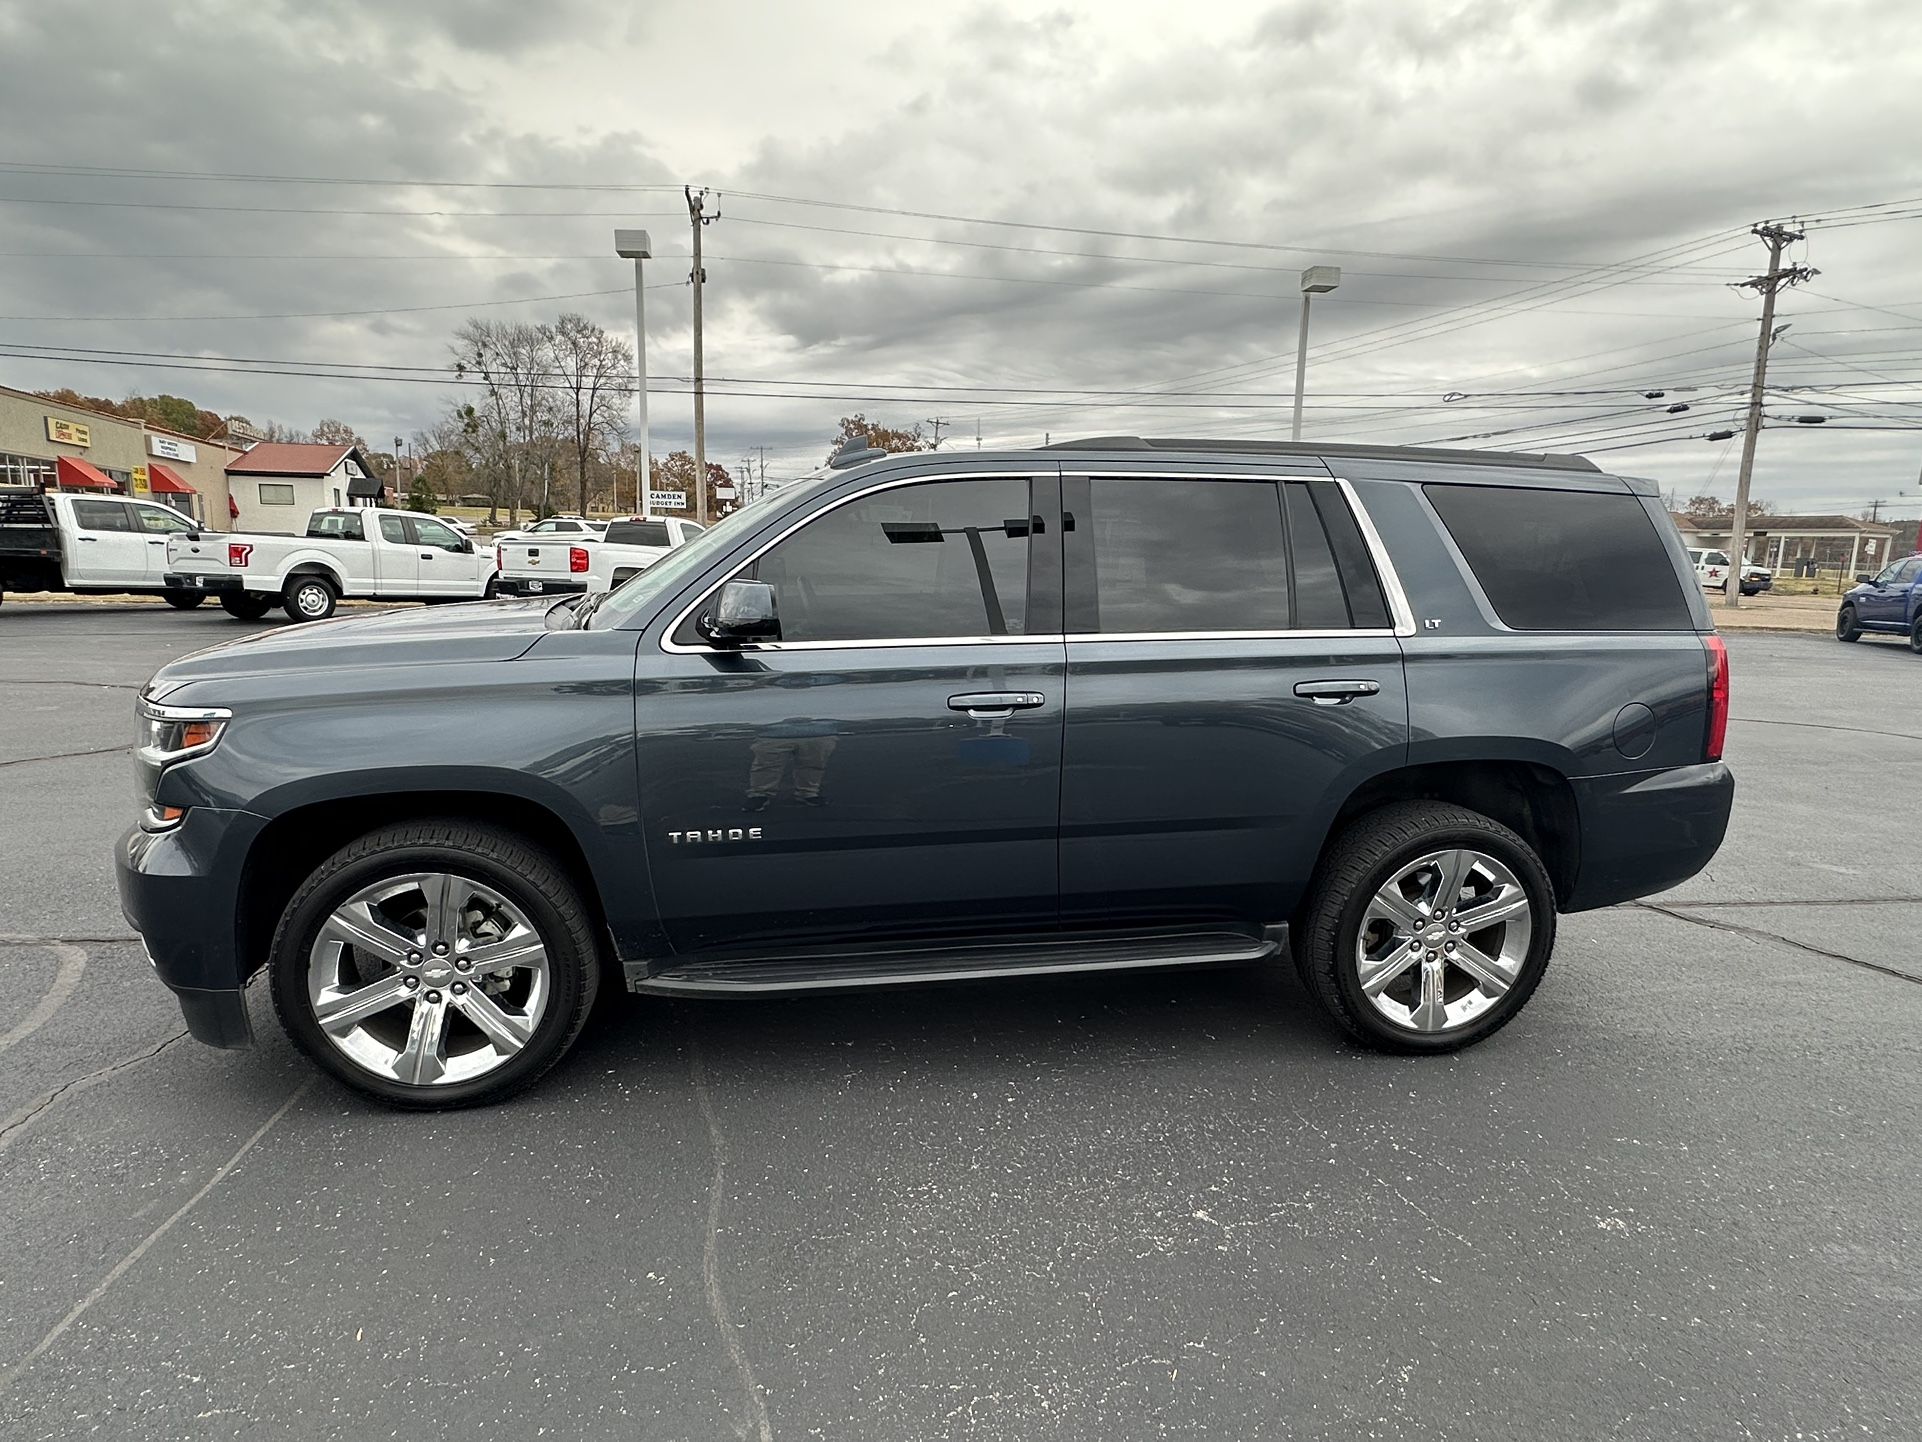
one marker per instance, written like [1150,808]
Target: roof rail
[1547,460]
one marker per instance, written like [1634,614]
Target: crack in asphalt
[119,750]
[12,1126]
[1756,933]
[16,938]
[1826,726]
[86,685]
[1815,901]
[711,1251]
[71,962]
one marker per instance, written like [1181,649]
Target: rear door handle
[1336,693]
[994,705]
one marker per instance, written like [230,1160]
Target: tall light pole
[1316,280]
[634,245]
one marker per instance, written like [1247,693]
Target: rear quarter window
[1552,560]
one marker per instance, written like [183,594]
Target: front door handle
[996,705]
[1336,693]
[427,555]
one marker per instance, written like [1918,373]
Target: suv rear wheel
[435,964]
[1428,928]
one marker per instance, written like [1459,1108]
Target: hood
[480,631]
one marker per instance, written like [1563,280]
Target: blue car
[1888,604]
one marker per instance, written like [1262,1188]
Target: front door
[156,523]
[891,769]
[1233,671]
[447,566]
[1885,603]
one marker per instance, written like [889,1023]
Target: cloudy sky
[1034,220]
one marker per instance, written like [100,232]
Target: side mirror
[1863,578]
[466,546]
[744,611]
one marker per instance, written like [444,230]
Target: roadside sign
[724,493]
[141,486]
[667,500]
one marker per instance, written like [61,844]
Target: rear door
[108,549]
[1233,672]
[892,768]
[396,556]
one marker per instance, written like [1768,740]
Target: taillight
[238,553]
[1717,695]
[577,558]
[500,555]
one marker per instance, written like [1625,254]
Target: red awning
[77,475]
[163,482]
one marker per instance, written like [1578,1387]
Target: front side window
[161,521]
[1887,576]
[433,533]
[101,516]
[940,559]
[280,493]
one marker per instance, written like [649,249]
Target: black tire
[1362,860]
[493,588]
[245,605]
[1846,628]
[183,600]
[309,597]
[527,876]
[1915,638]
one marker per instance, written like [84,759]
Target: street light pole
[634,245]
[1316,280]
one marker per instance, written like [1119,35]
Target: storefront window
[25,471]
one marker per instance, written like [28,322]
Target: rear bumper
[539,586]
[224,581]
[180,890]
[1644,832]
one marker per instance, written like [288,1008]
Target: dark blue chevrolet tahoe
[1107,705]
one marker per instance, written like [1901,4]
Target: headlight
[173,733]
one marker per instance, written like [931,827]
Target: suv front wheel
[435,964]
[1428,928]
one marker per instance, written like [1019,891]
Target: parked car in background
[562,565]
[363,552]
[1090,708]
[89,545]
[1886,604]
[1711,569]
[554,528]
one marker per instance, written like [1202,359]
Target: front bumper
[213,584]
[1643,832]
[539,586]
[180,889]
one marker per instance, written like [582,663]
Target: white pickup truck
[88,545]
[362,553]
[567,565]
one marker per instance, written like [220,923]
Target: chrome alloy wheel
[428,979]
[1443,940]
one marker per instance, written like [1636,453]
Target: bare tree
[594,372]
[514,365]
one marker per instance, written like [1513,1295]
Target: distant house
[276,484]
[1781,541]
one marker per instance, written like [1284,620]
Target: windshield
[675,567]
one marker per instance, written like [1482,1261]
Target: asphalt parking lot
[1677,1197]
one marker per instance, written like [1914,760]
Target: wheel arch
[1529,797]
[298,839]
[323,569]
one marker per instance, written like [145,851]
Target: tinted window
[101,516]
[949,558]
[161,520]
[432,533]
[637,533]
[1565,560]
[1189,555]
[1361,587]
[1907,572]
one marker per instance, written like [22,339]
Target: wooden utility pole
[1778,237]
[697,217]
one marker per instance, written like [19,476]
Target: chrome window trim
[1398,608]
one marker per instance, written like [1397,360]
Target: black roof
[1442,454]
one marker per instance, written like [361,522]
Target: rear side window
[1564,560]
[637,533]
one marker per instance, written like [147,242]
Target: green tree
[421,497]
